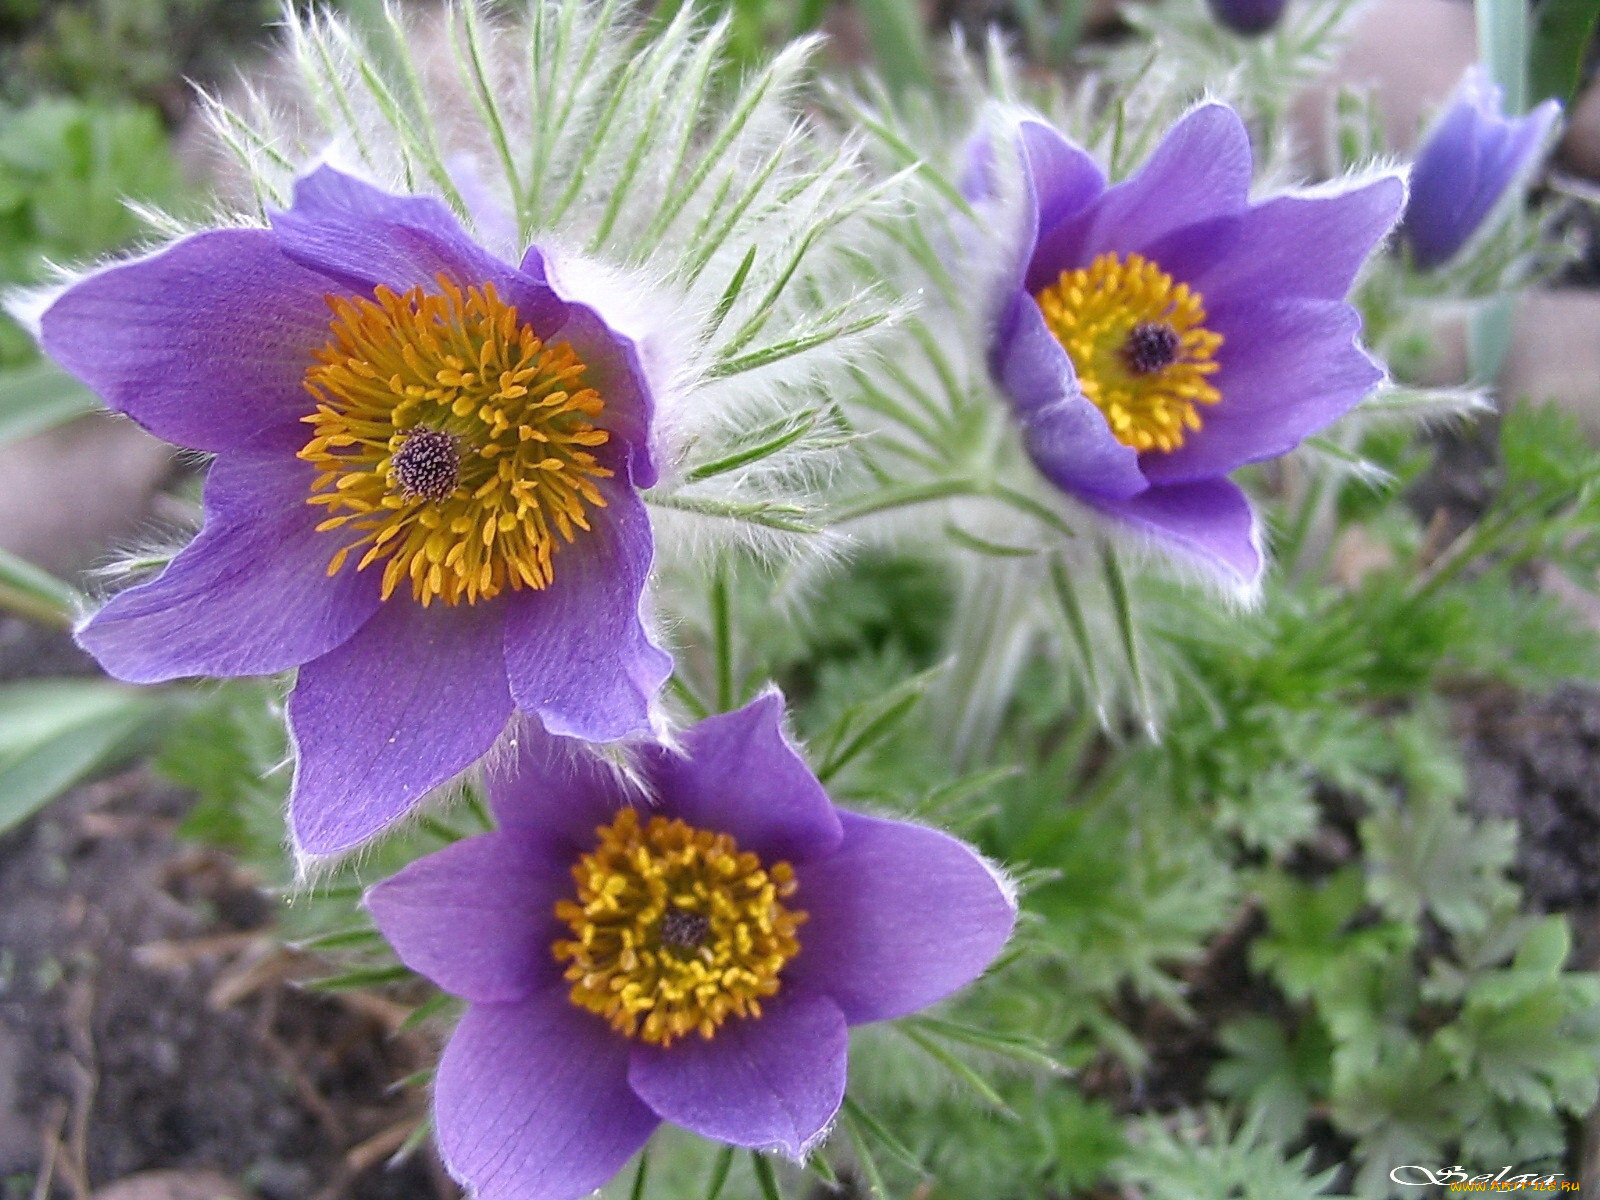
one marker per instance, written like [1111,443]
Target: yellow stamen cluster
[502,464]
[674,929]
[1094,312]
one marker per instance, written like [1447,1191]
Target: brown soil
[147,1019]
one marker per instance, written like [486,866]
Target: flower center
[1151,346]
[681,929]
[674,929]
[452,444]
[1139,345]
[428,463]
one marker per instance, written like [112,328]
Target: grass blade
[39,397]
[55,732]
[30,592]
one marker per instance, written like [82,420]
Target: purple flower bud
[1473,157]
[1249,17]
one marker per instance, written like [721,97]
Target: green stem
[719,1173]
[904,496]
[722,638]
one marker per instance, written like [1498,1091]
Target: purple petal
[478,917]
[898,918]
[1060,182]
[773,1082]
[556,790]
[1200,171]
[1064,179]
[1066,435]
[623,347]
[205,344]
[740,776]
[1208,524]
[415,698]
[577,652]
[251,594]
[1289,368]
[364,237]
[532,1101]
[1290,246]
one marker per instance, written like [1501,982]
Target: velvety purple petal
[577,652]
[532,1101]
[1066,435]
[364,237]
[411,701]
[900,917]
[739,775]
[556,790]
[623,345]
[773,1082]
[1200,171]
[1065,179]
[1207,524]
[1306,246]
[478,917]
[205,344]
[1060,182]
[251,594]
[1289,368]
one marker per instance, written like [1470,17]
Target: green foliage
[67,172]
[231,752]
[119,49]
[895,31]
[37,395]
[1273,1072]
[31,592]
[1305,799]
[55,732]
[1561,33]
[1202,1157]
[1428,858]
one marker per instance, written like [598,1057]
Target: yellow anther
[505,461]
[675,929]
[1139,344]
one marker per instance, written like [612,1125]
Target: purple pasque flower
[1474,156]
[424,492]
[1154,335]
[694,955]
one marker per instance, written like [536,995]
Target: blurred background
[154,1044]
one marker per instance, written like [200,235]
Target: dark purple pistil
[428,464]
[684,930]
[1151,346]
